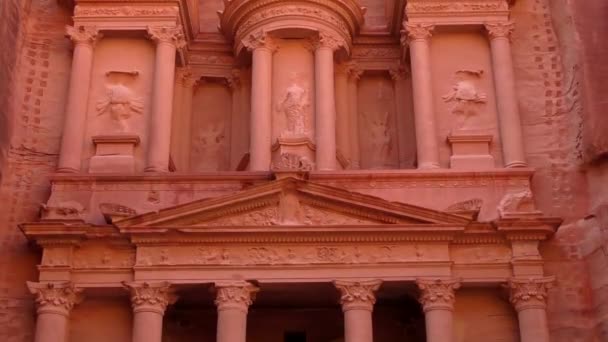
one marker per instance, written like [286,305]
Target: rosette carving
[358,295]
[235,295]
[529,293]
[55,297]
[417,31]
[437,294]
[168,34]
[500,30]
[83,34]
[150,296]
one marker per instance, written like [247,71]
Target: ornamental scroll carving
[150,296]
[529,293]
[328,40]
[500,30]
[58,297]
[259,40]
[437,293]
[127,11]
[412,32]
[235,295]
[168,34]
[460,6]
[83,34]
[358,295]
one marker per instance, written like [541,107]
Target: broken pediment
[291,202]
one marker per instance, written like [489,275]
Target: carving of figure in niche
[380,138]
[209,146]
[295,106]
[121,104]
[465,97]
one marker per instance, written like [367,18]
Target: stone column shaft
[233,301]
[54,303]
[506,97]
[529,297]
[167,39]
[353,113]
[343,124]
[235,119]
[149,301]
[72,143]
[261,102]
[190,85]
[426,132]
[437,298]
[358,299]
[400,86]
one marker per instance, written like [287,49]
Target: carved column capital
[234,80]
[186,77]
[260,40]
[437,294]
[57,298]
[529,293]
[328,40]
[358,295]
[87,35]
[500,30]
[413,32]
[152,297]
[354,71]
[399,73]
[237,295]
[173,35]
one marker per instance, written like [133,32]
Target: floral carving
[500,30]
[529,293]
[83,34]
[437,293]
[129,11]
[57,297]
[460,6]
[261,217]
[150,296]
[417,31]
[168,34]
[358,295]
[235,295]
[122,105]
[328,40]
[292,162]
[259,40]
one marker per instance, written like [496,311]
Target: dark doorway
[294,336]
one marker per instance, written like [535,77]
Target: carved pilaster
[437,294]
[328,40]
[529,293]
[150,296]
[235,295]
[260,40]
[57,298]
[412,32]
[234,80]
[173,35]
[88,35]
[500,30]
[358,295]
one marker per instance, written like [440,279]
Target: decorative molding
[58,298]
[437,294]
[358,295]
[500,29]
[529,293]
[173,35]
[125,11]
[152,297]
[292,162]
[449,7]
[88,35]
[238,295]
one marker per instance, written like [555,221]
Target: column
[149,301]
[419,36]
[260,130]
[506,98]
[54,302]
[399,76]
[190,83]
[325,102]
[74,123]
[168,40]
[437,298]
[234,82]
[353,111]
[529,297]
[357,300]
[343,124]
[233,300]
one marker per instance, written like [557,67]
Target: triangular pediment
[291,202]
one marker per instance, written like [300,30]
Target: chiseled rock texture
[560,52]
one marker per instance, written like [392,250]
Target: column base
[429,166]
[516,164]
[67,170]
[114,153]
[470,150]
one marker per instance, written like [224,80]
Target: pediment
[291,202]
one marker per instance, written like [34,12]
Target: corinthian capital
[358,295]
[529,293]
[437,294]
[167,34]
[83,34]
[260,40]
[328,40]
[417,31]
[500,30]
[55,297]
[235,295]
[150,296]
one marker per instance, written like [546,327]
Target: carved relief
[209,145]
[315,216]
[500,29]
[55,297]
[437,293]
[514,203]
[128,11]
[168,34]
[293,162]
[262,217]
[295,106]
[67,210]
[259,39]
[53,257]
[83,34]
[121,104]
[465,98]
[468,205]
[113,211]
[358,295]
[380,138]
[416,32]
[92,257]
[238,295]
[529,293]
[150,296]
[460,6]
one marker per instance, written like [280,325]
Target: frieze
[289,255]
[100,258]
[376,52]
[456,6]
[126,11]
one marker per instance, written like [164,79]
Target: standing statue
[294,106]
[380,137]
[209,147]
